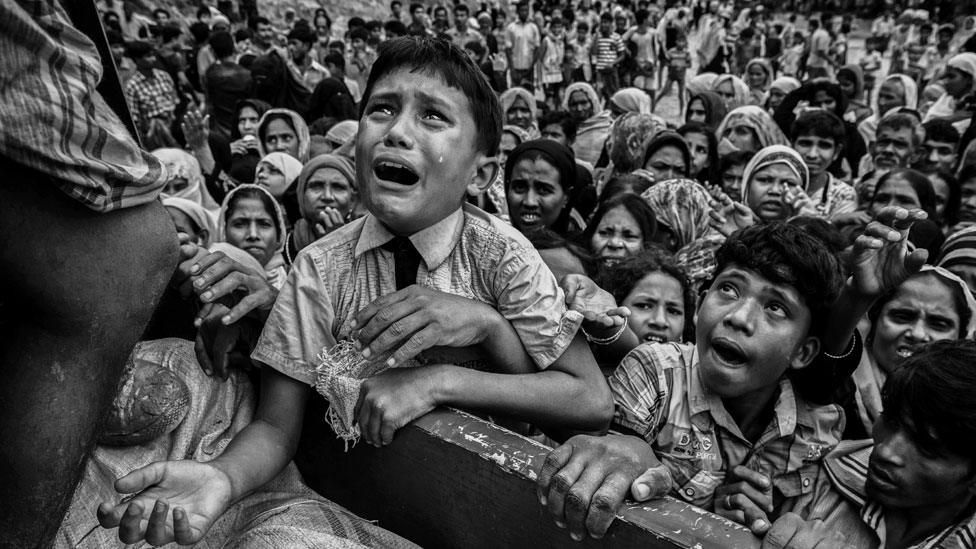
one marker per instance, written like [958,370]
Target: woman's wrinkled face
[923,310]
[328,188]
[667,163]
[891,95]
[519,114]
[580,105]
[251,227]
[617,236]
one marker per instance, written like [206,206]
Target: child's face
[818,152]
[605,26]
[732,180]
[417,151]
[657,309]
[750,331]
[766,192]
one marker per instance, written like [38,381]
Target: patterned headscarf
[775,154]
[739,88]
[683,206]
[756,118]
[632,100]
[629,137]
[958,249]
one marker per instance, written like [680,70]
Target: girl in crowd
[707,108]
[748,128]
[682,207]
[850,78]
[251,220]
[327,199]
[245,149]
[621,227]
[733,91]
[283,130]
[931,305]
[704,152]
[582,101]
[667,157]
[540,188]
[519,109]
[758,76]
[658,294]
[732,166]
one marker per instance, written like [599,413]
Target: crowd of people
[760,302]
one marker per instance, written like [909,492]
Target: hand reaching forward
[172,501]
[732,217]
[881,258]
[599,308]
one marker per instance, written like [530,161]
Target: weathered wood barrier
[453,480]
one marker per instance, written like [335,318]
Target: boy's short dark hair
[930,396]
[395,3]
[941,130]
[336,59]
[203,10]
[359,33]
[477,47]
[374,25]
[356,23]
[606,16]
[240,35]
[622,278]
[260,20]
[416,6]
[302,34]
[222,44]
[395,28]
[563,119]
[200,32]
[462,7]
[822,124]
[787,255]
[442,58]
[641,16]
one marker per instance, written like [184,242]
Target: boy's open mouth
[396,173]
[729,352]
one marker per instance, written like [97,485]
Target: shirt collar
[434,243]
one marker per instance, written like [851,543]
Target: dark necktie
[406,258]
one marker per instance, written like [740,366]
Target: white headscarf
[284,163]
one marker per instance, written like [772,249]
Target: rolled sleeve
[639,394]
[532,301]
[299,328]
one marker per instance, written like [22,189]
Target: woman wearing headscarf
[758,76]
[748,128]
[666,157]
[732,89]
[706,107]
[701,82]
[681,207]
[535,203]
[251,219]
[283,130]
[850,78]
[277,172]
[332,98]
[896,91]
[627,144]
[630,100]
[594,123]
[958,102]
[191,219]
[519,109]
[327,199]
[963,40]
[779,89]
[186,179]
[773,183]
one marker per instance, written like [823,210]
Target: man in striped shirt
[913,487]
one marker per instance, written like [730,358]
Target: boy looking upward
[733,433]
[422,280]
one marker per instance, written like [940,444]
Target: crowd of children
[762,305]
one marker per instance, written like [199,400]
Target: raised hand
[731,217]
[196,127]
[881,257]
[599,308]
[170,501]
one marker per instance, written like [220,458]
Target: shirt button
[689,492]
[806,482]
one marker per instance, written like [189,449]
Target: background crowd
[644,148]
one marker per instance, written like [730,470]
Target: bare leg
[78,289]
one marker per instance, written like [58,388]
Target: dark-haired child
[819,137]
[721,419]
[422,281]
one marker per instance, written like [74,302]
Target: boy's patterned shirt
[658,394]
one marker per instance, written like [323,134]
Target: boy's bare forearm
[262,449]
[504,348]
[571,394]
[846,312]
